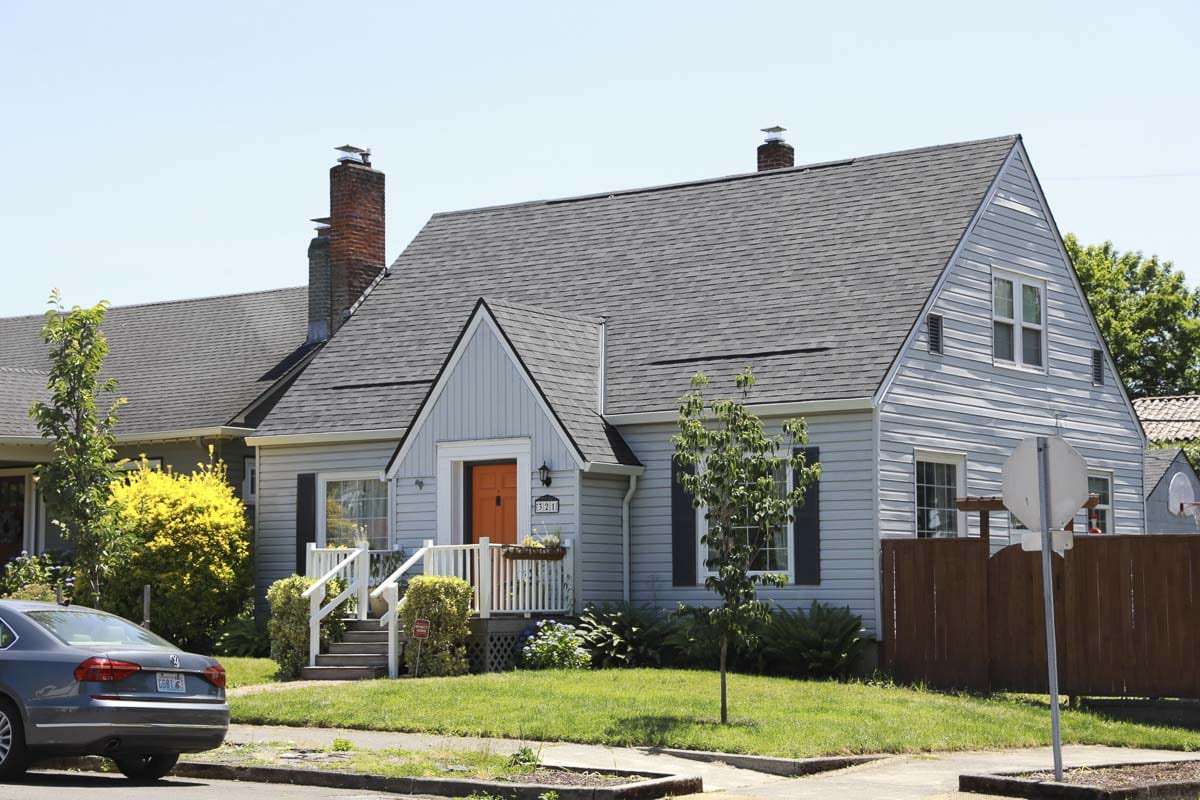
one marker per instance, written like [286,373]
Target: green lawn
[248,671]
[770,716]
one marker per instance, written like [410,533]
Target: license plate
[171,682]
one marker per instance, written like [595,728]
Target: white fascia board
[222,431]
[597,468]
[23,441]
[886,384]
[761,409]
[333,437]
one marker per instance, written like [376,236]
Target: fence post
[314,625]
[309,556]
[146,606]
[569,577]
[364,579]
[392,592]
[483,577]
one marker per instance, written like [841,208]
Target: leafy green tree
[1148,315]
[77,480]
[739,476]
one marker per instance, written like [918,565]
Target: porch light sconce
[544,474]
[420,484]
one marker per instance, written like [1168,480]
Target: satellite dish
[1180,497]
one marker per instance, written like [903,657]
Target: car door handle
[497,500]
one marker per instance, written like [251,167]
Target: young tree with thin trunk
[738,473]
[77,481]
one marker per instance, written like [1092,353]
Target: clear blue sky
[174,150]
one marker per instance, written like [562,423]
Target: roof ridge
[737,176]
[178,301]
[1168,397]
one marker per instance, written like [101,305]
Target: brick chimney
[348,251]
[774,152]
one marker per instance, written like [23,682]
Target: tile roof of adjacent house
[1156,462]
[1170,419]
[182,365]
[815,275]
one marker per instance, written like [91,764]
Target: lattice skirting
[493,643]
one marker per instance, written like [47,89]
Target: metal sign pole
[1043,447]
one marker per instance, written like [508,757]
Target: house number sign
[546,504]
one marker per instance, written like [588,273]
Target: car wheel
[14,756]
[147,769]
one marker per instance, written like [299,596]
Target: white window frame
[1107,475]
[452,456]
[702,569]
[249,479]
[324,478]
[1018,323]
[33,499]
[959,460]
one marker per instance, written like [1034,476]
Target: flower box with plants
[547,548]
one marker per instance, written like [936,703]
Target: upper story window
[1018,320]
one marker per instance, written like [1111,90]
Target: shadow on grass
[655,730]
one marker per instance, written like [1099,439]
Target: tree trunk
[724,704]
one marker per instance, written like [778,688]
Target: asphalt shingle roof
[181,365]
[814,275]
[1156,462]
[1170,419]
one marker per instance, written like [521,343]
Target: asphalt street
[91,786]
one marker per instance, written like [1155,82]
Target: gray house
[1169,423]
[517,372]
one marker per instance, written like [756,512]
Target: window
[774,551]
[1098,367]
[1018,320]
[250,481]
[934,323]
[940,479]
[87,628]
[354,509]
[7,637]
[1100,518]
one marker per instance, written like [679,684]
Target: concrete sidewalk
[911,777]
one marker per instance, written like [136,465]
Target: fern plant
[624,635]
[825,643]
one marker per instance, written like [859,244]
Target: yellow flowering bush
[190,541]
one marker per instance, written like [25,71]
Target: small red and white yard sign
[420,629]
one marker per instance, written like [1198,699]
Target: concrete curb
[659,785]
[785,767]
[1011,784]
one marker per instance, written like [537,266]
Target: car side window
[7,637]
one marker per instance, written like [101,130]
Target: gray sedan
[76,681]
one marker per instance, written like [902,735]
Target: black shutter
[306,517]
[806,529]
[683,529]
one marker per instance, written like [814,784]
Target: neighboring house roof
[1170,419]
[181,365]
[1157,461]
[815,275]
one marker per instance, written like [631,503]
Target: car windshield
[89,628]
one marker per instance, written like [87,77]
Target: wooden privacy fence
[1127,613]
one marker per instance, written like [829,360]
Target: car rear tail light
[215,675]
[105,670]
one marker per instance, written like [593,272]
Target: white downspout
[633,482]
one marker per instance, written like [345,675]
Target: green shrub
[288,627]
[825,643]
[242,638]
[191,544]
[24,570]
[446,603]
[554,645]
[43,592]
[691,642]
[625,636]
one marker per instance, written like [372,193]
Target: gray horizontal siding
[1158,518]
[848,573]
[601,554]
[961,402]
[275,532]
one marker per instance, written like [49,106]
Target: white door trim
[450,459]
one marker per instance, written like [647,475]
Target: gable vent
[934,323]
[1098,367]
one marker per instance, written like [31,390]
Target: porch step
[377,635]
[352,660]
[359,625]
[329,673]
[372,647]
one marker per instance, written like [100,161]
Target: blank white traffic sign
[1068,483]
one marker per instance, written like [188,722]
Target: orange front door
[494,502]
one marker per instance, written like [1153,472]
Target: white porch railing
[352,566]
[502,585]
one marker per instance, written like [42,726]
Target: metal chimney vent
[354,155]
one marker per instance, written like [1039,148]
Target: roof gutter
[333,437]
[218,432]
[761,409]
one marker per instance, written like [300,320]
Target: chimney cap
[354,155]
[322,220]
[774,133]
